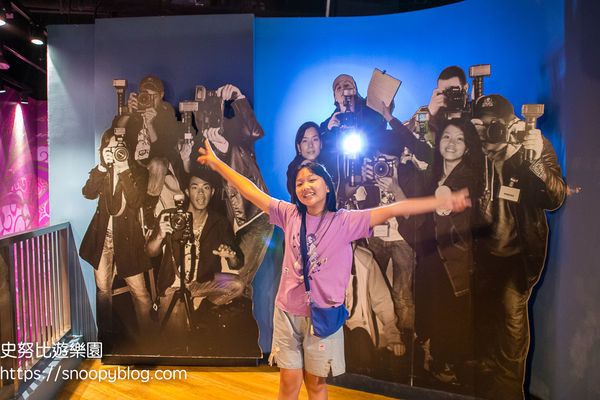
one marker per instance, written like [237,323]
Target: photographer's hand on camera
[437,101]
[107,158]
[217,140]
[230,92]
[132,103]
[366,170]
[333,121]
[164,228]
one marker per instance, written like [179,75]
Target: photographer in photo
[232,131]
[449,99]
[151,137]
[522,179]
[113,243]
[207,239]
[351,114]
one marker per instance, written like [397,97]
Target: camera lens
[178,221]
[496,132]
[120,153]
[144,100]
[381,169]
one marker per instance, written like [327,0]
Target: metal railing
[42,297]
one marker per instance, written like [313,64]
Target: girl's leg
[316,386]
[290,382]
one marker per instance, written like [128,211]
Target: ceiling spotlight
[24,98]
[2,88]
[5,13]
[37,35]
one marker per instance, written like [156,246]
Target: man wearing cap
[151,136]
[522,179]
[362,118]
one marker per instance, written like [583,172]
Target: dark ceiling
[27,72]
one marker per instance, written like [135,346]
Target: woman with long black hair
[444,247]
[308,148]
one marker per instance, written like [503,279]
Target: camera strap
[193,260]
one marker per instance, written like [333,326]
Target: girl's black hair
[330,205]
[317,169]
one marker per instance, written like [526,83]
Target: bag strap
[304,251]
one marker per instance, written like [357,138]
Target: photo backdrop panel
[299,59]
[182,52]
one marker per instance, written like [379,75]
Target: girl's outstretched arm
[456,201]
[243,185]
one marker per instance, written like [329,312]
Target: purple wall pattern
[24,164]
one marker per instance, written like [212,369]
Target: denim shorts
[294,346]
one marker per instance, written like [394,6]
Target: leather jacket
[128,238]
[241,131]
[541,187]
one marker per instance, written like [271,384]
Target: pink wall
[23,164]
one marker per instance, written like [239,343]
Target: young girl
[299,354]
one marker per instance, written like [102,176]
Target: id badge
[381,230]
[509,193]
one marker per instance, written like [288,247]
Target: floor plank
[207,383]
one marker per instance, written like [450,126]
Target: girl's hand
[451,201]
[459,200]
[207,155]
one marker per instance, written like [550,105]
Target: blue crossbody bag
[325,320]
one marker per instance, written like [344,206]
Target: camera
[382,167]
[119,151]
[210,109]
[347,119]
[499,132]
[455,98]
[145,101]
[181,221]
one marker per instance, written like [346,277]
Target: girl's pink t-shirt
[328,240]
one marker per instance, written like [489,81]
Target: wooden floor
[207,383]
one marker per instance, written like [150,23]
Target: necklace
[321,218]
